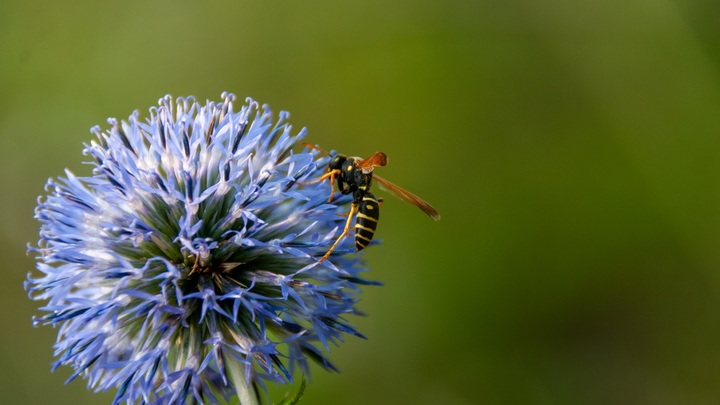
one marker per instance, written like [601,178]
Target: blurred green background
[572,148]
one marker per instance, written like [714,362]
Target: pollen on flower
[186,266]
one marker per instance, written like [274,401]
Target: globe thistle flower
[185,268]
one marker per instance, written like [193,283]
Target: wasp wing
[378,159]
[407,196]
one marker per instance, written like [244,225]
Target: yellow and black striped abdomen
[366,220]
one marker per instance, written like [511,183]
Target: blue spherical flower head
[186,267]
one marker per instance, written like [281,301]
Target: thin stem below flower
[246,394]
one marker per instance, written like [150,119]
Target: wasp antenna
[311,146]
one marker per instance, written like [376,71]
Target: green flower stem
[246,394]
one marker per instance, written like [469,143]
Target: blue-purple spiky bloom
[186,267]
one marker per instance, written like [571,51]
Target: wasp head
[337,162]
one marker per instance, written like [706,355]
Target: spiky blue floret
[193,244]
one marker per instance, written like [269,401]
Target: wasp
[354,175]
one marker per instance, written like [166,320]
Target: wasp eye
[337,162]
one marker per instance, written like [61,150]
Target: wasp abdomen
[366,220]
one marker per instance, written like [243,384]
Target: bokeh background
[572,147]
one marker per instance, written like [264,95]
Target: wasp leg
[353,210]
[331,175]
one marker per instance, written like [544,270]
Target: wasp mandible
[354,175]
